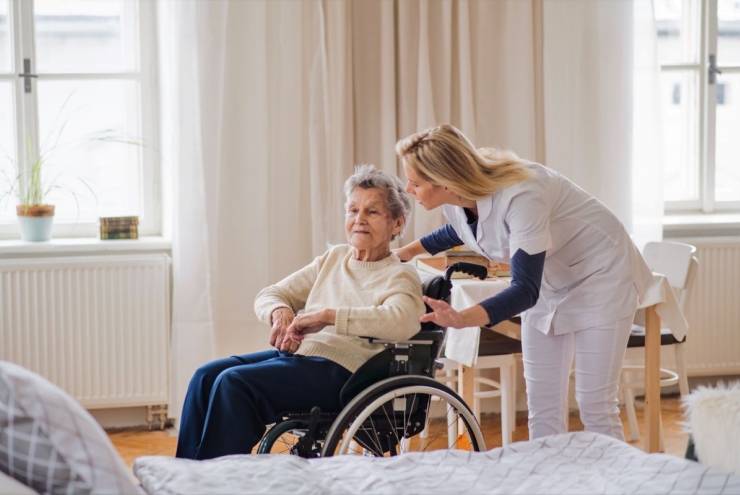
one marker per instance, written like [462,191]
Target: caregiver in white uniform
[576,275]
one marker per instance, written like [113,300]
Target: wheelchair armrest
[424,337]
[436,335]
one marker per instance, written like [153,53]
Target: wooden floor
[134,443]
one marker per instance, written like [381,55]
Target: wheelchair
[392,404]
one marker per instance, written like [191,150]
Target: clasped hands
[289,329]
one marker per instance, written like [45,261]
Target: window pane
[728,30]
[86,35]
[81,127]
[5,39]
[8,169]
[680,94]
[678,23]
[727,158]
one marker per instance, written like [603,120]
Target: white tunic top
[593,275]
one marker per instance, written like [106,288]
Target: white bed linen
[570,463]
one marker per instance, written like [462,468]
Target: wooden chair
[495,351]
[677,262]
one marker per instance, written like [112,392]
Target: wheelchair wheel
[404,414]
[283,438]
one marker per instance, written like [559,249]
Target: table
[659,303]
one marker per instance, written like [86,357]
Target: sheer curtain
[268,105]
[602,112]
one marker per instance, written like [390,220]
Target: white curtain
[602,112]
[268,105]
[647,130]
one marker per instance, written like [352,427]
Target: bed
[571,463]
[50,444]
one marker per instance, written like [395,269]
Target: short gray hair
[397,200]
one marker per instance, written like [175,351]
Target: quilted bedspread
[571,463]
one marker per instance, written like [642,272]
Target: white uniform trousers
[599,355]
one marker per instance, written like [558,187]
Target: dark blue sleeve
[526,277]
[442,239]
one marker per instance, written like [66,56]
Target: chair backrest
[677,262]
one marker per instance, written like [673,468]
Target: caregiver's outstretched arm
[443,315]
[410,250]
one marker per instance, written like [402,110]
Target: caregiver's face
[426,194]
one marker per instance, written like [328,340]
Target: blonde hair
[443,156]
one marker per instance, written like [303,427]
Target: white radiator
[713,310]
[96,326]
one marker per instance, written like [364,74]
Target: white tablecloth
[661,294]
[462,344]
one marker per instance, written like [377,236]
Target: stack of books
[454,255]
[119,228]
[437,266]
[461,254]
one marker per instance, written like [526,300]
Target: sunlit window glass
[86,35]
[5,37]
[727,155]
[728,32]
[681,135]
[90,136]
[8,156]
[678,25]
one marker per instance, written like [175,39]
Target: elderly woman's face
[369,225]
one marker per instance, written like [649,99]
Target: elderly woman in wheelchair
[360,311]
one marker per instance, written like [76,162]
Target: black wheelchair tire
[386,390]
[276,432]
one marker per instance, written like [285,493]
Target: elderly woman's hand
[306,323]
[281,320]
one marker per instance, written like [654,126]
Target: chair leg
[683,379]
[629,407]
[506,399]
[512,393]
[476,399]
[453,428]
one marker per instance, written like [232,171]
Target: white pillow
[714,421]
[9,486]
[51,443]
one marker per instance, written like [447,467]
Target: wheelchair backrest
[416,356]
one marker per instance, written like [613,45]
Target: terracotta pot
[35,210]
[35,222]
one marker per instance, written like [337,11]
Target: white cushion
[9,486]
[714,421]
[51,443]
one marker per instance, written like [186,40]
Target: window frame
[708,40]
[22,35]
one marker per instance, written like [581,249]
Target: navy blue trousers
[230,401]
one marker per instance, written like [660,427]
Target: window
[76,88]
[699,53]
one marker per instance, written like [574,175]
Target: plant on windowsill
[35,215]
[37,180]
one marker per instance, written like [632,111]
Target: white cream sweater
[379,299]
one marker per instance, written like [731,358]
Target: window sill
[71,246]
[701,225]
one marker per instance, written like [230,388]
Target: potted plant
[35,217]
[34,183]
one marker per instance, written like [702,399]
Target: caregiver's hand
[443,315]
[402,254]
